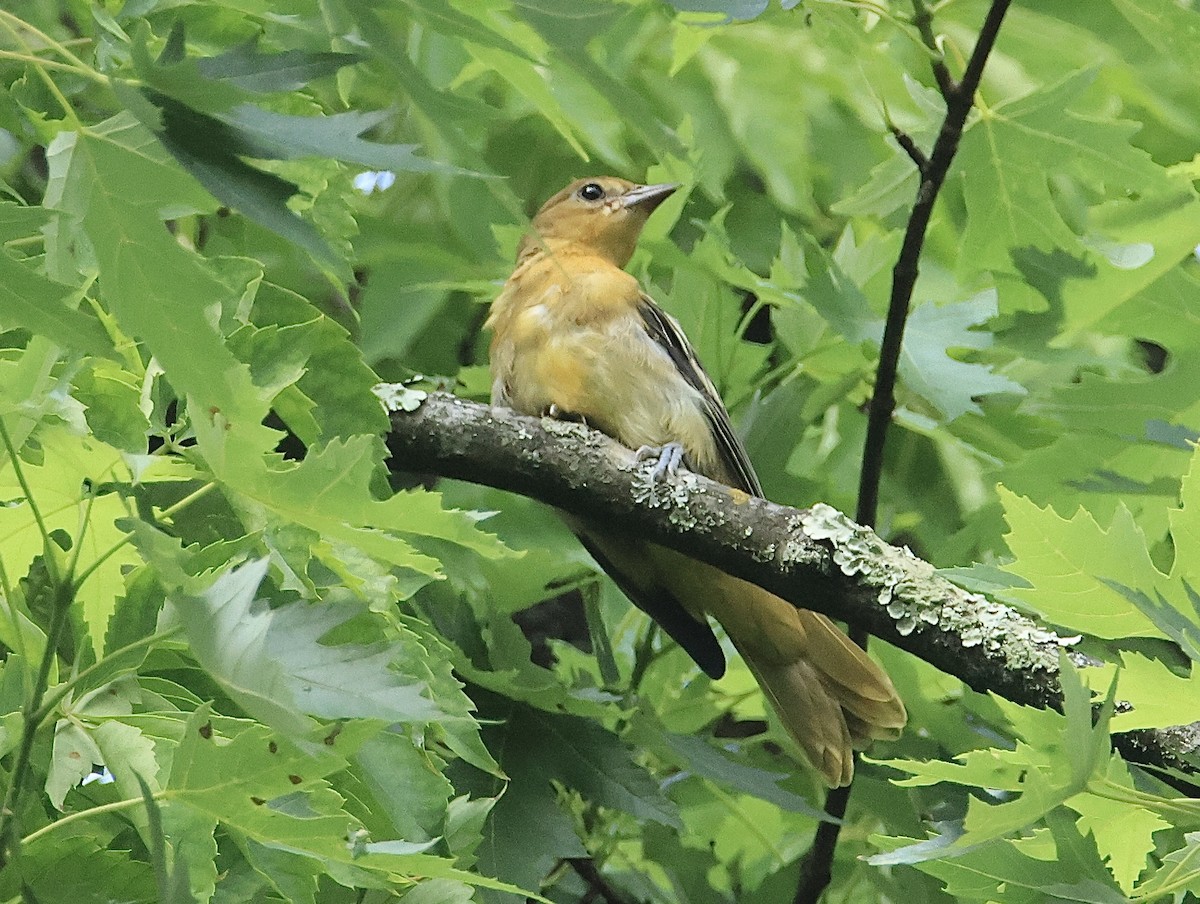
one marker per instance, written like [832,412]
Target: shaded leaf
[272,662]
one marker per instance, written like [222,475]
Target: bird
[574,336]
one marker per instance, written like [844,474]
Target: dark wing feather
[696,637]
[665,330]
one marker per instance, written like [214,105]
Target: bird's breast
[573,338]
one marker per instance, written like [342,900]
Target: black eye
[591,192]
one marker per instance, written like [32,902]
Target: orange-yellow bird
[574,335]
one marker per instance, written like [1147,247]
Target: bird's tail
[829,694]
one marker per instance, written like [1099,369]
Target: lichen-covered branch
[815,558]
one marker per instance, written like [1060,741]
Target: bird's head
[603,214]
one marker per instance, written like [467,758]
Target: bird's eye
[591,192]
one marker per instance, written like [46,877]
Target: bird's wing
[626,563]
[665,330]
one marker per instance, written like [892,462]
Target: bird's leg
[669,455]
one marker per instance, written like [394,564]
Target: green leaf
[440,15]
[334,379]
[276,136]
[71,759]
[1067,565]
[734,9]
[1171,620]
[1180,870]
[79,868]
[729,771]
[1185,530]
[744,68]
[1008,197]
[266,790]
[1159,696]
[1165,26]
[998,871]
[330,493]
[927,368]
[439,891]
[406,784]
[112,398]
[272,662]
[59,486]
[530,81]
[248,68]
[212,150]
[174,886]
[1045,776]
[115,180]
[30,301]
[527,831]
[1124,834]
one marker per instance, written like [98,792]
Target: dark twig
[816,869]
[923,20]
[904,274]
[599,887]
[909,147]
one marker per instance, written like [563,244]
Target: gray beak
[648,197]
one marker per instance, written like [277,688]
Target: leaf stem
[112,807]
[64,596]
[1179,878]
[48,64]
[128,538]
[15,24]
[47,544]
[1183,806]
[84,518]
[40,66]
[60,692]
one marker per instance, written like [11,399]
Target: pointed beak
[648,197]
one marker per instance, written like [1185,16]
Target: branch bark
[814,558]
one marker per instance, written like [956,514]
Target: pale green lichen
[398,397]
[565,428]
[915,595]
[673,493]
[766,554]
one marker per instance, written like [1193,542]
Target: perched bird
[575,336]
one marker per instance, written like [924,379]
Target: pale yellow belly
[616,378]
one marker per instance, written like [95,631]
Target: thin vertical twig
[817,866]
[923,20]
[904,274]
[63,589]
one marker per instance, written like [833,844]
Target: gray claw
[670,457]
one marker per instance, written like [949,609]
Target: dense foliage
[307,684]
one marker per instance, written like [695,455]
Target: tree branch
[923,20]
[959,101]
[915,154]
[959,97]
[815,558]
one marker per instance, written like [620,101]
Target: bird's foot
[670,457]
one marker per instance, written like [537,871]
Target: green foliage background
[308,685]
